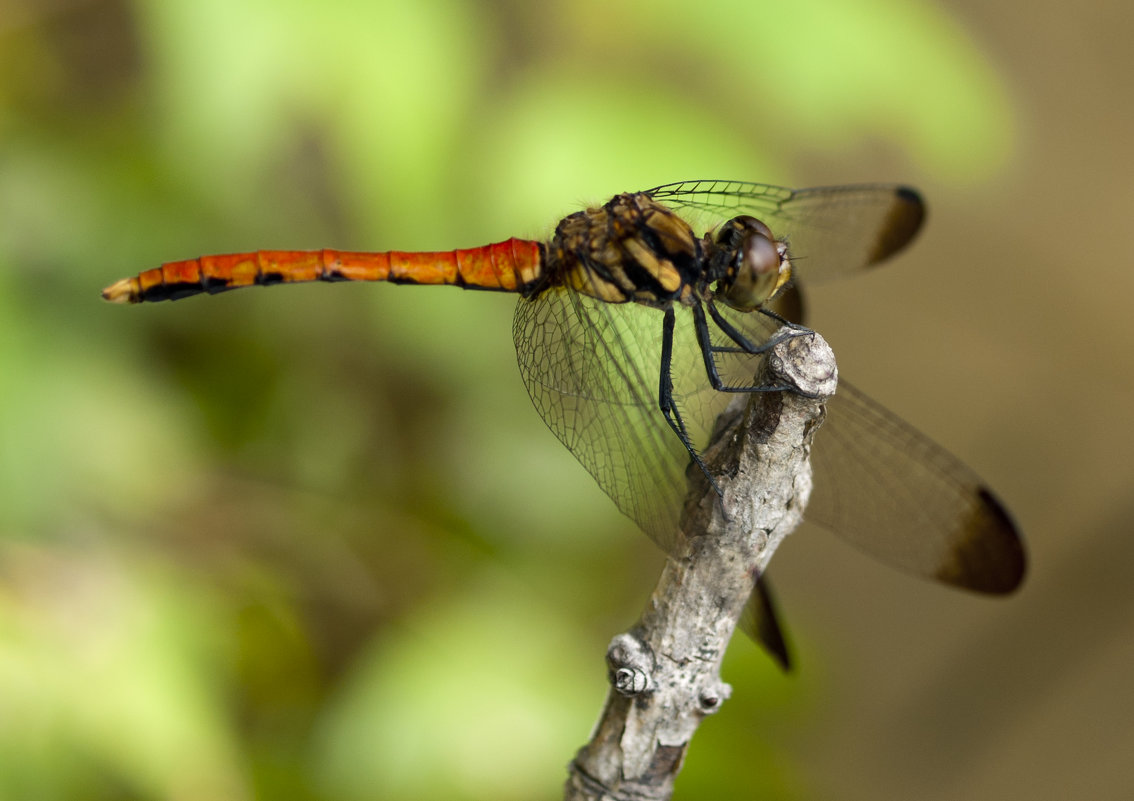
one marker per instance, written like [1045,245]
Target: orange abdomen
[511,266]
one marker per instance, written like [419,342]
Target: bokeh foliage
[313,543]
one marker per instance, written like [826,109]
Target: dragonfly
[639,319]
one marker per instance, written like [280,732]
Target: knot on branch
[711,697]
[630,664]
[806,364]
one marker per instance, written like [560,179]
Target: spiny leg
[665,397]
[744,345]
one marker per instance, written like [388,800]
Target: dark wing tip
[902,222]
[989,556]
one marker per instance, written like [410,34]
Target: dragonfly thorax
[632,249]
[750,264]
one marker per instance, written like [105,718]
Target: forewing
[592,371]
[830,231]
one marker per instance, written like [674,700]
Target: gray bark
[665,671]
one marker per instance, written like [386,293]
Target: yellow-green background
[314,543]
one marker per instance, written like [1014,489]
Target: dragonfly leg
[744,345]
[779,319]
[666,402]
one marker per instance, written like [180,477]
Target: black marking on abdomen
[215,286]
[177,291]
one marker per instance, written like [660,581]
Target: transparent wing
[831,231]
[592,370]
[888,489]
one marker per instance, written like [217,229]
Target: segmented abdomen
[514,265]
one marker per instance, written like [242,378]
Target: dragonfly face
[753,267]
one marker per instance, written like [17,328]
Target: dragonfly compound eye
[758,271]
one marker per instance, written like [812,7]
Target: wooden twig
[665,671]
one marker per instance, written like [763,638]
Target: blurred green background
[314,543]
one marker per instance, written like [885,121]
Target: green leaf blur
[313,543]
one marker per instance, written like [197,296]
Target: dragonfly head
[754,266]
